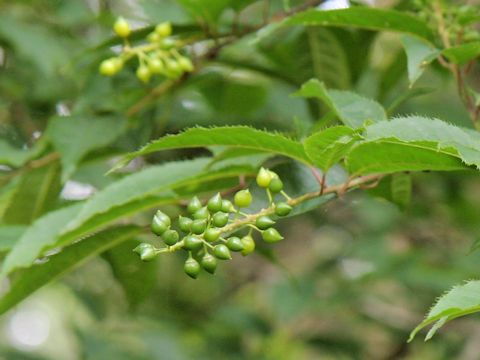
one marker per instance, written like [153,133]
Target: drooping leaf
[419,55]
[235,136]
[327,147]
[352,109]
[36,194]
[462,54]
[401,188]
[364,18]
[9,235]
[137,278]
[75,136]
[459,301]
[25,282]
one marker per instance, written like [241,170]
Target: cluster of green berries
[160,56]
[208,231]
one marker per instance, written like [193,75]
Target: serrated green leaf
[461,54]
[37,193]
[137,278]
[327,147]
[459,301]
[140,191]
[352,109]
[25,282]
[9,235]
[401,188]
[96,132]
[364,18]
[390,157]
[234,136]
[419,55]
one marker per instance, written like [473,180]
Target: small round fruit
[264,222]
[148,254]
[160,215]
[194,205]
[121,27]
[276,185]
[243,198]
[110,67]
[170,237]
[158,226]
[248,245]
[156,66]
[192,242]
[142,246]
[271,235]
[221,252]
[185,223]
[211,234]
[172,68]
[235,244]
[153,37]
[167,43]
[282,209]
[202,213]
[199,226]
[209,263]
[164,29]
[143,73]
[215,203]
[192,268]
[227,206]
[185,64]
[220,219]
[263,178]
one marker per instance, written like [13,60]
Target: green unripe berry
[155,66]
[211,234]
[185,64]
[199,226]
[271,235]
[146,251]
[220,219]
[201,214]
[161,216]
[143,73]
[164,29]
[282,209]
[140,247]
[158,226]
[209,263]
[121,27]
[215,203]
[111,66]
[167,44]
[263,178]
[153,37]
[235,244]
[243,198]
[192,268]
[172,68]
[264,222]
[192,242]
[227,206]
[194,205]
[276,185]
[248,245]
[184,223]
[221,252]
[170,237]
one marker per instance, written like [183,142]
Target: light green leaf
[390,157]
[352,109]
[38,237]
[419,55]
[401,187]
[459,301]
[96,132]
[12,156]
[462,54]
[25,282]
[429,134]
[327,147]
[9,235]
[36,194]
[364,18]
[235,136]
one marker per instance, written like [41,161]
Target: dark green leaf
[461,54]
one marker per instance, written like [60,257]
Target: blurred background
[353,277]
